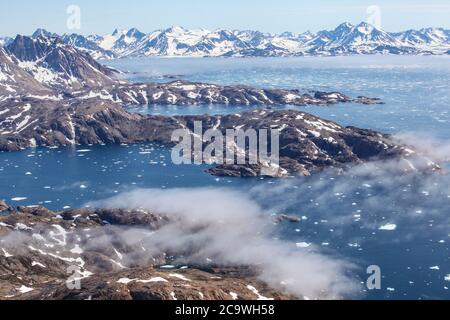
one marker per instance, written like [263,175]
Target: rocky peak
[135,33]
[67,67]
[43,33]
[15,82]
[29,49]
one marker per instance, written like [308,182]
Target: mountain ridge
[345,39]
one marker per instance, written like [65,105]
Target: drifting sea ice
[388,227]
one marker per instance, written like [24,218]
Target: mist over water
[373,215]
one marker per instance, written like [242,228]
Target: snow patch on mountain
[345,39]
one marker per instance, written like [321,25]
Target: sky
[275,16]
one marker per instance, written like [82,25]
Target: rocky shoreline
[50,70]
[53,95]
[180,92]
[308,144]
[43,254]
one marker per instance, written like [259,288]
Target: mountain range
[45,66]
[346,39]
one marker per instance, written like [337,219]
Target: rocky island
[44,254]
[52,94]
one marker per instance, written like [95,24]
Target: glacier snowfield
[366,217]
[345,39]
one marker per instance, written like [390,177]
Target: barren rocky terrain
[44,254]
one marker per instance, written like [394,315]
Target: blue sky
[102,16]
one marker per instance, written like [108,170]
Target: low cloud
[227,227]
[403,192]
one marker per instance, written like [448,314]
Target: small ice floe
[17,199]
[303,245]
[390,289]
[167,267]
[447,277]
[436,268]
[84,150]
[256,292]
[234,296]
[388,227]
[28,173]
[24,289]
[83,186]
[66,207]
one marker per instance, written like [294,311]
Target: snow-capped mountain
[429,39]
[4,41]
[84,44]
[43,33]
[361,39]
[345,39]
[177,41]
[15,81]
[54,63]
